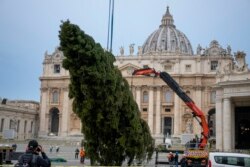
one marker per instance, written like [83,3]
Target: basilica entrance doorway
[54,121]
[242,127]
[167,129]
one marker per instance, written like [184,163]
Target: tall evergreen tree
[111,122]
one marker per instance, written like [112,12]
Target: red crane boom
[186,99]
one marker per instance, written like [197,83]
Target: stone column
[43,110]
[151,109]
[232,125]
[47,113]
[176,115]
[159,137]
[158,111]
[197,128]
[227,133]
[219,123]
[64,123]
[21,129]
[138,97]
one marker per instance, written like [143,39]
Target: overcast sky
[29,28]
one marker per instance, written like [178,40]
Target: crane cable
[110,25]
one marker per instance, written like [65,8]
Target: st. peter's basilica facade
[215,78]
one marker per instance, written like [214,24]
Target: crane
[200,155]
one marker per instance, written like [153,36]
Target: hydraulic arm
[186,99]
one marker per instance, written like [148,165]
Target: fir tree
[111,122]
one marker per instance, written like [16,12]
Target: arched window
[145,97]
[55,97]
[168,96]
[56,68]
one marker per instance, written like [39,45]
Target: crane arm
[186,99]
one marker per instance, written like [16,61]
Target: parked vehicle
[223,159]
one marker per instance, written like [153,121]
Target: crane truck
[196,153]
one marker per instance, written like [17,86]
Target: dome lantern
[167,19]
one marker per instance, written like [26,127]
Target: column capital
[151,88]
[137,87]
[198,87]
[158,88]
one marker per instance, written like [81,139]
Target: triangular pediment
[128,69]
[129,65]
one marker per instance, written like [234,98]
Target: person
[193,143]
[14,146]
[176,157]
[31,156]
[82,155]
[76,153]
[183,161]
[51,149]
[171,159]
[57,149]
[131,49]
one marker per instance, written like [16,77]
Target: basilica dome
[167,38]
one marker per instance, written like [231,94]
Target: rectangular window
[168,67]
[167,110]
[2,125]
[188,68]
[145,109]
[56,68]
[145,97]
[55,97]
[213,97]
[214,65]
[168,97]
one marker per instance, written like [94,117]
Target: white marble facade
[213,77]
[20,118]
